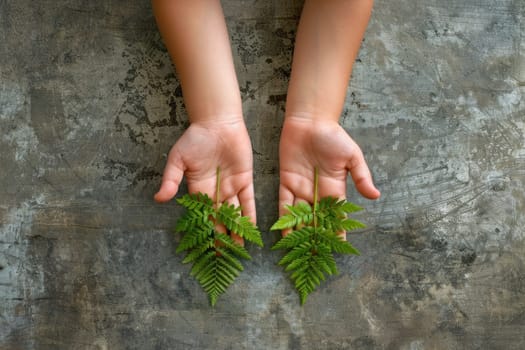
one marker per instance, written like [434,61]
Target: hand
[200,150]
[309,143]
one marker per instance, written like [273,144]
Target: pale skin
[328,39]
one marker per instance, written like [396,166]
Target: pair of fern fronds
[316,234]
[215,255]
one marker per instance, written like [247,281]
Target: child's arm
[195,34]
[328,39]
[327,43]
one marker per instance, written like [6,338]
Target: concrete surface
[89,106]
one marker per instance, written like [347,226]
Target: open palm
[306,144]
[197,155]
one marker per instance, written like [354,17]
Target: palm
[306,144]
[198,154]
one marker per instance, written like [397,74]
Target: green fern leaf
[202,263]
[232,261]
[349,225]
[233,246]
[294,238]
[215,278]
[297,252]
[337,243]
[301,213]
[284,222]
[229,269]
[296,263]
[196,237]
[349,207]
[305,281]
[196,201]
[197,251]
[191,220]
[249,231]
[324,265]
[231,217]
[339,206]
[325,255]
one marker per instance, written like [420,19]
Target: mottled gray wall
[89,107]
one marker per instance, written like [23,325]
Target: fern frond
[310,256]
[215,255]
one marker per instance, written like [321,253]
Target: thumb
[361,175]
[171,179]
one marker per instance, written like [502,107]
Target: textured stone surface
[89,107]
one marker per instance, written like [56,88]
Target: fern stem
[316,190]
[316,184]
[217,188]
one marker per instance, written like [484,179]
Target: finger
[247,201]
[361,175]
[300,200]
[286,198]
[171,179]
[238,239]
[220,228]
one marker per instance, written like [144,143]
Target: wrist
[309,110]
[218,120]
[311,116]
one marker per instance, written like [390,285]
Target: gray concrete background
[89,107]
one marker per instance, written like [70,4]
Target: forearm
[195,34]
[327,43]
